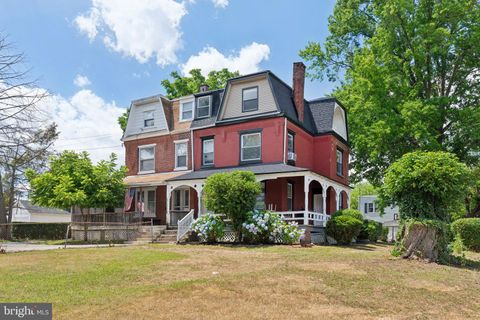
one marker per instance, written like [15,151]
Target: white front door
[317,203]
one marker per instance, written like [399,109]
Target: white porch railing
[315,218]
[184,225]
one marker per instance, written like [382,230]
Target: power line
[98,148]
[87,137]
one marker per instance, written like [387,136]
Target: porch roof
[256,169]
[154,179]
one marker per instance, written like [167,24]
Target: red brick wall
[227,142]
[276,193]
[164,152]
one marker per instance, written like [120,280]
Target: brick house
[297,149]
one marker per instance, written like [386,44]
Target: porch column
[337,198]
[199,196]
[306,184]
[348,200]
[169,193]
[324,198]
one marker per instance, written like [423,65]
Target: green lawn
[199,282]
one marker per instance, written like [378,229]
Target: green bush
[349,212]
[468,230]
[384,235]
[344,228]
[371,230]
[40,231]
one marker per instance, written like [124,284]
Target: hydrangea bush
[268,227]
[209,227]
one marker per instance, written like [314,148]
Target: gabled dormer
[247,97]
[147,117]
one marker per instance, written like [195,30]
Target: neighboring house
[389,219]
[27,212]
[297,149]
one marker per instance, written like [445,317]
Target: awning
[154,179]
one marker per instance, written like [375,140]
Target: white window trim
[153,118]
[154,145]
[176,142]
[241,146]
[209,107]
[181,110]
[203,149]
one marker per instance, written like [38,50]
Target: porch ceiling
[155,179]
[256,169]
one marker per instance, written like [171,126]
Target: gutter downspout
[191,144]
[284,139]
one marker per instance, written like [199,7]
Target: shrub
[268,227]
[41,231]
[371,230]
[209,227]
[468,230]
[384,235]
[349,212]
[344,228]
[233,194]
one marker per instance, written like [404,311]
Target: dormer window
[148,120]
[186,111]
[250,99]
[203,107]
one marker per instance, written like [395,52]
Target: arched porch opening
[180,200]
[343,200]
[316,202]
[331,200]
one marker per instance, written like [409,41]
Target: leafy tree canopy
[72,180]
[411,78]
[122,120]
[183,86]
[426,185]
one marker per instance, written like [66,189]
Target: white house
[390,219]
[27,212]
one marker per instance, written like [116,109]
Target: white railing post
[184,225]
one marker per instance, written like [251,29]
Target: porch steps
[147,232]
[168,236]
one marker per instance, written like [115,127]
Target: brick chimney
[298,88]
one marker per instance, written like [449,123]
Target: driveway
[26,246]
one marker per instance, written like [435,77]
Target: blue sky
[63,40]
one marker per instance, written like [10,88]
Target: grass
[186,282]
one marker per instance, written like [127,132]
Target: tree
[233,194]
[411,78]
[25,134]
[72,180]
[425,186]
[361,189]
[123,119]
[184,86]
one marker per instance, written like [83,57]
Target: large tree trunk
[3,212]
[422,241]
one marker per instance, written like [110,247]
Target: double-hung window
[203,107]
[186,112]
[289,196]
[207,151]
[290,138]
[148,119]
[181,152]
[369,208]
[250,99]
[339,162]
[146,158]
[251,146]
[181,200]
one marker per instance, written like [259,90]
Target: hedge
[468,229]
[344,228]
[43,231]
[371,231]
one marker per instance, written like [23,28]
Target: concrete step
[171,231]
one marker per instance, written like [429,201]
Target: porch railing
[184,225]
[312,218]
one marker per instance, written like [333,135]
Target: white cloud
[86,123]
[81,81]
[142,29]
[246,61]
[220,3]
